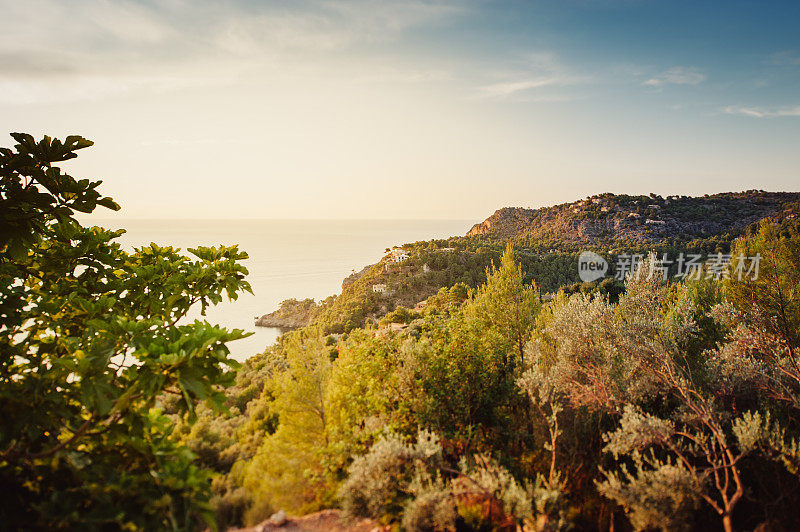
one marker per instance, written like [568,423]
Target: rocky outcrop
[355,276]
[610,219]
[292,315]
[503,220]
[324,521]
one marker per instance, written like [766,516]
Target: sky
[363,109]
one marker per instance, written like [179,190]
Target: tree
[764,317]
[288,470]
[703,461]
[508,305]
[92,339]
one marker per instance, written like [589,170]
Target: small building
[634,215]
[656,222]
[421,305]
[398,255]
[654,206]
[379,288]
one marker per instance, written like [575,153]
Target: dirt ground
[326,520]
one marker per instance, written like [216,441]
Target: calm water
[288,258]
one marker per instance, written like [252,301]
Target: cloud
[535,71]
[504,90]
[54,49]
[678,75]
[784,58]
[763,112]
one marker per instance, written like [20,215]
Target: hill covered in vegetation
[612,221]
[670,406]
[547,243]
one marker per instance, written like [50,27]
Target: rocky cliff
[291,315]
[613,219]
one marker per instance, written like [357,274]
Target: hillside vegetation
[615,221]
[674,406]
[547,243]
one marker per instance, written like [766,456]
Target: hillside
[613,220]
[547,243]
[490,393]
[391,283]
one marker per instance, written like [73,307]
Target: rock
[278,518]
[613,220]
[355,276]
[292,315]
[323,521]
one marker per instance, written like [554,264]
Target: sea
[287,258]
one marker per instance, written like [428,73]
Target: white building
[379,288]
[398,255]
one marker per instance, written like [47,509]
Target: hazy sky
[369,109]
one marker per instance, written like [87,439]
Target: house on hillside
[398,255]
[656,222]
[379,288]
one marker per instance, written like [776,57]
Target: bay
[287,258]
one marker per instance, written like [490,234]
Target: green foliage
[774,292]
[657,494]
[379,483]
[763,315]
[400,315]
[92,339]
[623,407]
[415,481]
[287,470]
[34,191]
[507,305]
[470,365]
